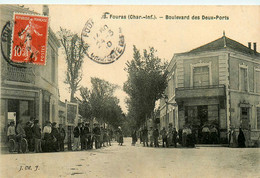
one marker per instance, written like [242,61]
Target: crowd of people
[52,137]
[169,137]
[99,137]
[185,137]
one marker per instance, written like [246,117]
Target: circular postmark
[101,43]
[6,43]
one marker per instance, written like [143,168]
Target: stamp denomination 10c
[29,39]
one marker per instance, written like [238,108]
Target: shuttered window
[201,76]
[243,79]
[257,81]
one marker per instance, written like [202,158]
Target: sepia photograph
[138,91]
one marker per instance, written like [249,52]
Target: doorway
[13,111]
[198,116]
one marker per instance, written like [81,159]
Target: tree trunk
[72,99]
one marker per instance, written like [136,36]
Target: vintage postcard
[130,91]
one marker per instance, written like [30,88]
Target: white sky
[167,36]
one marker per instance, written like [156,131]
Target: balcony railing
[20,74]
[201,91]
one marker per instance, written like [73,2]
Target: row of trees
[100,102]
[145,85]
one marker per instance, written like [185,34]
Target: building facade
[30,92]
[215,84]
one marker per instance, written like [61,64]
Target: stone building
[215,84]
[31,91]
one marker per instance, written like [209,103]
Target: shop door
[13,110]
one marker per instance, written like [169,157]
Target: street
[135,161]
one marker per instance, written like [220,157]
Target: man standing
[48,139]
[87,136]
[11,131]
[96,132]
[56,136]
[76,133]
[20,134]
[164,136]
[213,135]
[174,137]
[169,137]
[205,134]
[134,137]
[155,137]
[37,137]
[82,137]
[151,136]
[29,135]
[62,137]
[145,136]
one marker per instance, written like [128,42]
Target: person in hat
[20,134]
[96,137]
[62,136]
[169,137]
[11,131]
[37,136]
[174,137]
[164,137]
[145,136]
[76,133]
[155,137]
[184,135]
[87,136]
[47,137]
[205,134]
[213,135]
[29,135]
[83,142]
[56,137]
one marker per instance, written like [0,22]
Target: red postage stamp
[29,39]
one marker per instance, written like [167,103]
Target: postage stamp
[29,39]
[102,44]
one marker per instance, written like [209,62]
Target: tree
[85,108]
[145,84]
[74,52]
[100,102]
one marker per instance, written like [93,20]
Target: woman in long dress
[120,133]
[241,139]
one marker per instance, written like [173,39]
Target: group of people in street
[50,139]
[99,137]
[170,137]
[186,137]
[209,134]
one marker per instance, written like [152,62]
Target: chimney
[45,10]
[254,47]
[249,45]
